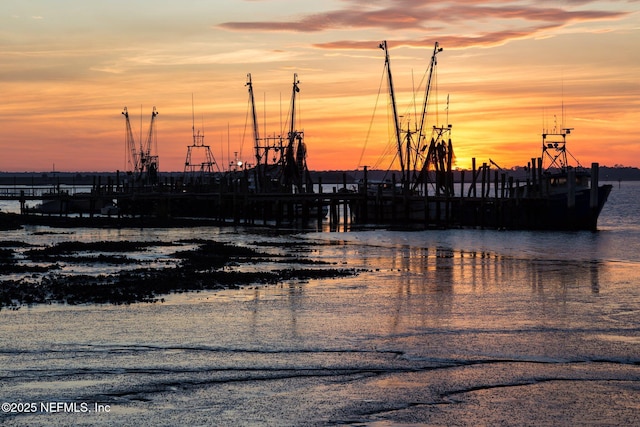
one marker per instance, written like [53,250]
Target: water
[455,327]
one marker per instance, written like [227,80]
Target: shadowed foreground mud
[39,278]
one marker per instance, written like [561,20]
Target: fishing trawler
[425,161]
[556,195]
[281,161]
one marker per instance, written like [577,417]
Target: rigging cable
[244,131]
[366,140]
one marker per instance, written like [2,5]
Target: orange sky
[69,67]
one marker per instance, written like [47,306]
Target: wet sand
[436,328]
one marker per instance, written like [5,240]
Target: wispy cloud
[511,20]
[485,39]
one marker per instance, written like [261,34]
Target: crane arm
[150,137]
[130,142]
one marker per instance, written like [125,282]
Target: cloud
[508,19]
[486,39]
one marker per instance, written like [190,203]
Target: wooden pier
[489,200]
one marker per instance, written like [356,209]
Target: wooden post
[335,218]
[483,195]
[473,177]
[23,200]
[345,208]
[363,209]
[319,203]
[379,205]
[393,197]
[484,180]
[593,195]
[426,200]
[278,206]
[540,171]
[571,197]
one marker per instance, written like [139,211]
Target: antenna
[448,108]
[140,139]
[193,120]
[562,98]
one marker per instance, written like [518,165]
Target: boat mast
[149,162]
[292,125]
[432,65]
[291,170]
[396,122]
[254,117]
[256,137]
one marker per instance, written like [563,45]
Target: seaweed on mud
[202,268]
[14,244]
[8,264]
[12,268]
[6,255]
[213,255]
[69,247]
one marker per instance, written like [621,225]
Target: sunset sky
[68,68]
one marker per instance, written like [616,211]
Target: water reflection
[404,287]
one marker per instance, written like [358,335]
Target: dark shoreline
[12,221]
[210,266]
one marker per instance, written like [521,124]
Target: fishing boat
[558,194]
[555,194]
[425,160]
[281,160]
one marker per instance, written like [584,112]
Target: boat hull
[550,212]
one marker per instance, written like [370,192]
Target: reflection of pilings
[595,277]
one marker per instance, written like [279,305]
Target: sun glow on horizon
[65,81]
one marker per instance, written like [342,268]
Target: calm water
[457,327]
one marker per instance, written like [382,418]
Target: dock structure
[490,199]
